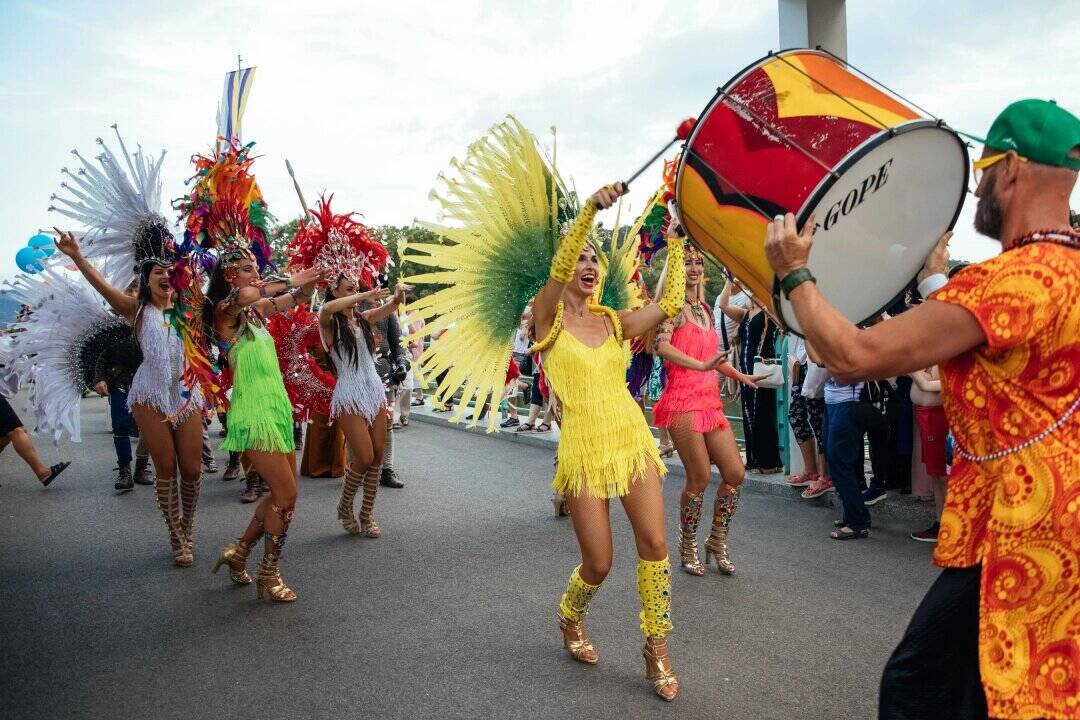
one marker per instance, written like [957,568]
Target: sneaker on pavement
[873,495]
[929,535]
[802,480]
[818,488]
[211,467]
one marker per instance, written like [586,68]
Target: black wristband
[794,279]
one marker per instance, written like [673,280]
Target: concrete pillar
[809,23]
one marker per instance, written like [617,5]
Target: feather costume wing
[310,388]
[54,350]
[120,208]
[619,288]
[508,206]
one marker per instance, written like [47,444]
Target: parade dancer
[606,449]
[359,402]
[129,237]
[691,409]
[225,211]
[996,635]
[585,366]
[351,255]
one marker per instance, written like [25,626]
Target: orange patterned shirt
[1019,514]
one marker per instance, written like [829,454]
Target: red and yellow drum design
[801,132]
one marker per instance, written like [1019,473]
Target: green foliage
[280,236]
[396,235]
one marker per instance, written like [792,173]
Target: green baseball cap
[1038,130]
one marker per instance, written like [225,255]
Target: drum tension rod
[877,82]
[809,77]
[783,136]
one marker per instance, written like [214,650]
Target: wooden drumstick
[681,133]
[299,192]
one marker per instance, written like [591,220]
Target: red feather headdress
[340,243]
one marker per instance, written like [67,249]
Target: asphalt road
[450,614]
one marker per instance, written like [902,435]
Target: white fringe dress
[359,390]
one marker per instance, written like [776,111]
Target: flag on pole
[234,101]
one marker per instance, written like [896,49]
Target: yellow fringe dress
[604,442]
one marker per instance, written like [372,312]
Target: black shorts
[9,420]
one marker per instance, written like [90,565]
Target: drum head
[879,215]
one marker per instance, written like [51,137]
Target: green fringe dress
[260,415]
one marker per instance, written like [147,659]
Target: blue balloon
[29,260]
[42,242]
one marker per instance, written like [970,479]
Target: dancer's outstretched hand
[67,244]
[304,277]
[716,360]
[373,296]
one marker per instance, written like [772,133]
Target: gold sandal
[576,642]
[235,556]
[659,669]
[268,580]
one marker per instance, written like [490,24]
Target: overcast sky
[369,100]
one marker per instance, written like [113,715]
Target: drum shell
[778,138]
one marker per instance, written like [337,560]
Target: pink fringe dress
[692,391]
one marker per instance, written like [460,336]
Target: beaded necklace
[1070,239]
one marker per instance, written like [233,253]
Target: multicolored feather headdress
[339,243]
[120,209]
[225,209]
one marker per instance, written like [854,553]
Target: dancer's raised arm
[121,302]
[568,254]
[668,305]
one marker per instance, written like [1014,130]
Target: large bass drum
[801,131]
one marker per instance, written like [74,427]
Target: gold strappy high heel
[659,669]
[168,499]
[688,554]
[576,642]
[716,546]
[368,526]
[268,580]
[235,556]
[345,506]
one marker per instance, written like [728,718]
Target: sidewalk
[902,508]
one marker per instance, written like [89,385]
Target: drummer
[1006,334]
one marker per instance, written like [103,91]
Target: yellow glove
[675,290]
[566,257]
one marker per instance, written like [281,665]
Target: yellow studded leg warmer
[575,601]
[654,589]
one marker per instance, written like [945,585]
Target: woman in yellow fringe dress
[605,448]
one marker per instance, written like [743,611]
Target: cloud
[370,100]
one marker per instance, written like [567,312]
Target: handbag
[770,367]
